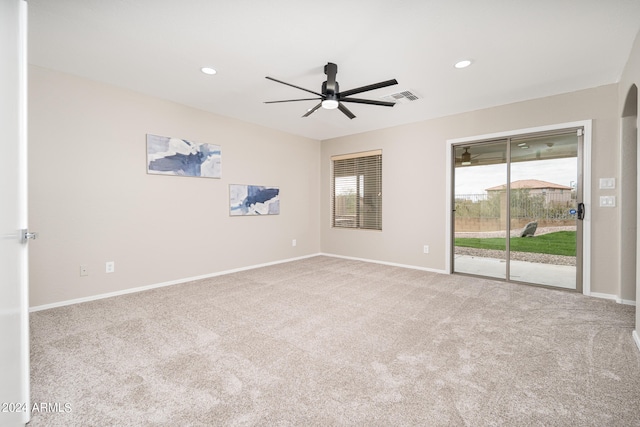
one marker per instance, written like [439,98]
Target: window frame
[367,168]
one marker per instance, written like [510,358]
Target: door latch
[26,235]
[580,211]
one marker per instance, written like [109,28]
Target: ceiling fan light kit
[330,104]
[466,157]
[330,96]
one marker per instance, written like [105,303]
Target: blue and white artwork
[253,200]
[174,156]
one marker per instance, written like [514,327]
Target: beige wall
[630,77]
[92,201]
[414,179]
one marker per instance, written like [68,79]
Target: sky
[475,179]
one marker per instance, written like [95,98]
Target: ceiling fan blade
[291,100]
[297,87]
[368,101]
[346,111]
[312,110]
[331,70]
[369,87]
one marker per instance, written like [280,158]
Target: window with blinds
[357,190]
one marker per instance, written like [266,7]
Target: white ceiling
[521,49]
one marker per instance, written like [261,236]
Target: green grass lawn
[558,243]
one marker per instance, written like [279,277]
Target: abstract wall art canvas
[174,156]
[253,200]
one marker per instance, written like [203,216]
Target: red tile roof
[530,183]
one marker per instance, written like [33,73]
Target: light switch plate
[608,201]
[607,183]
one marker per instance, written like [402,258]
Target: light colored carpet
[327,341]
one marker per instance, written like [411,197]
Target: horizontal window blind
[357,190]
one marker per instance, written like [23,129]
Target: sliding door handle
[581,211]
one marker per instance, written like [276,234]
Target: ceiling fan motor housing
[328,93]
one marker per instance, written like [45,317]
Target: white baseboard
[636,338]
[163,284]
[612,297]
[393,264]
[251,267]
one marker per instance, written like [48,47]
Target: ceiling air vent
[401,97]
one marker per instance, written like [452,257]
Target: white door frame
[586,233]
[14,280]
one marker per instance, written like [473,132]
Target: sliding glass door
[480,217]
[517,207]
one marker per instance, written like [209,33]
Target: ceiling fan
[330,96]
[466,159]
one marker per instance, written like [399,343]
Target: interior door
[14,315]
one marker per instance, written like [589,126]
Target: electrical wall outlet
[426,249]
[110,266]
[294,242]
[84,271]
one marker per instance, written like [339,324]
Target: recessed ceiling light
[463,64]
[208,70]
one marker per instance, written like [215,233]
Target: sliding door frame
[586,125]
